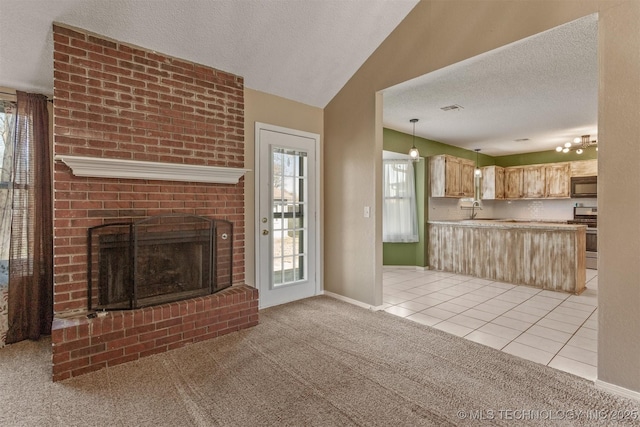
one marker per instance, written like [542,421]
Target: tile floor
[553,328]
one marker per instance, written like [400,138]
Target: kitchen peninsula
[544,255]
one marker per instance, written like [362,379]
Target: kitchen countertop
[512,223]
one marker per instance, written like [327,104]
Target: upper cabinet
[550,180]
[492,183]
[558,180]
[584,168]
[513,183]
[533,182]
[451,176]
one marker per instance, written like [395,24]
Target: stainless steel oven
[589,217]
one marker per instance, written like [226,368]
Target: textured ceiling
[543,88]
[304,50]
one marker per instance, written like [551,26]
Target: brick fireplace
[116,101]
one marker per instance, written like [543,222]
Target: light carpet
[315,362]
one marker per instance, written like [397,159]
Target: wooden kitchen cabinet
[513,183]
[451,176]
[558,180]
[492,183]
[533,182]
[543,181]
[467,183]
[584,168]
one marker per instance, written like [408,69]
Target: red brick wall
[82,345]
[115,100]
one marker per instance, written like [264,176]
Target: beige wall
[619,201]
[273,110]
[439,33]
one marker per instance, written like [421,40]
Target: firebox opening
[161,259]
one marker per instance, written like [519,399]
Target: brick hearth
[82,345]
[119,101]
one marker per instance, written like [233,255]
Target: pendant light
[477,172]
[414,153]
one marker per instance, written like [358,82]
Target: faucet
[476,204]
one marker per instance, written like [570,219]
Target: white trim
[354,302]
[406,267]
[319,268]
[136,169]
[616,389]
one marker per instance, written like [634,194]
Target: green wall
[545,157]
[415,254]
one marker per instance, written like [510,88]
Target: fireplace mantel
[135,169]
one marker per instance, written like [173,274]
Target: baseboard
[353,301]
[406,267]
[616,389]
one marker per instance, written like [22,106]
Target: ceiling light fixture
[582,142]
[477,172]
[414,153]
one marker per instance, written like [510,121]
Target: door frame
[318,258]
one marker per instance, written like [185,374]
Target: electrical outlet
[367,211]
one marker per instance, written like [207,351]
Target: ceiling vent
[453,107]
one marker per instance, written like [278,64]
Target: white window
[7,117]
[399,216]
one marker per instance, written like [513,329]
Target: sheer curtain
[399,212]
[31,247]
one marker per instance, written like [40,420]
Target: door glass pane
[289,228]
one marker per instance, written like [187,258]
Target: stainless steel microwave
[584,186]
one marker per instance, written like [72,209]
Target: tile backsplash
[547,209]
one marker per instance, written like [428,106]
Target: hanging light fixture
[477,172]
[477,183]
[579,144]
[414,153]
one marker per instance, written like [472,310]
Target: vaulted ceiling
[304,50]
[542,89]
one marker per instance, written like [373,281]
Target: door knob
[265,232]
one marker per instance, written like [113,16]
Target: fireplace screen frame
[118,259]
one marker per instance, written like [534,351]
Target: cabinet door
[584,168]
[499,182]
[489,183]
[533,180]
[453,186]
[436,176]
[492,183]
[513,183]
[467,182]
[558,182]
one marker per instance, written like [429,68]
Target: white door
[287,226]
